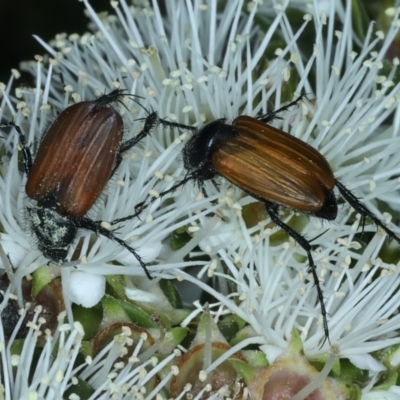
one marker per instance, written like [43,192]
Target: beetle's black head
[54,232]
[197,154]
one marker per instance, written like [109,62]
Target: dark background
[20,19]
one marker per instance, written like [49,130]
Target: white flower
[47,365]
[195,65]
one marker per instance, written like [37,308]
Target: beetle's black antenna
[363,211]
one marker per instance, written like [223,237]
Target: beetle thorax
[200,147]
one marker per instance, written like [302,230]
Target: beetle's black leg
[150,122]
[170,124]
[272,210]
[142,205]
[96,227]
[363,211]
[270,116]
[26,152]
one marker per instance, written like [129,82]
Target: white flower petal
[86,289]
[366,361]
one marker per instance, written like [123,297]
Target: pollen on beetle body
[84,141]
[54,232]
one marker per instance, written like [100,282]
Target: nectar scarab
[272,166]
[75,159]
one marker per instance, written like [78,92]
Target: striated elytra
[76,157]
[273,167]
[266,162]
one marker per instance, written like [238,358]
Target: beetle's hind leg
[363,211]
[272,210]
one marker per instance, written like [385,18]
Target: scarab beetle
[75,159]
[272,166]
